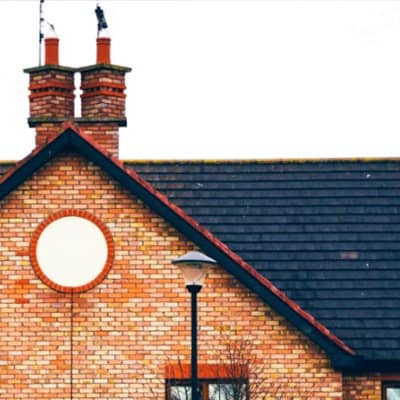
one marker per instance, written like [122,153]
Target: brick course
[52,93]
[362,387]
[106,135]
[103,93]
[129,327]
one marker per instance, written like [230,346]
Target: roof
[71,139]
[327,233]
[6,165]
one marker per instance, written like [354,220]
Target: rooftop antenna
[43,21]
[41,34]
[101,19]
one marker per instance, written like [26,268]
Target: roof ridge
[265,161]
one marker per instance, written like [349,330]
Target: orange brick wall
[366,387]
[106,135]
[125,330]
[46,132]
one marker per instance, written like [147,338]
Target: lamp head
[193,266]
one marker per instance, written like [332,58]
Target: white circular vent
[72,252]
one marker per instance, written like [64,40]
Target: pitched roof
[71,139]
[5,166]
[327,233]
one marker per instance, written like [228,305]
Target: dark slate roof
[325,232]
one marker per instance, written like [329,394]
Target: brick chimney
[102,100]
[51,101]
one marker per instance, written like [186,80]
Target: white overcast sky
[225,79]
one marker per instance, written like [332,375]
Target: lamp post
[193,266]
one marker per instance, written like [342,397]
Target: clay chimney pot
[103,50]
[51,51]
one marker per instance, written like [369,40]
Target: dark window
[210,389]
[391,390]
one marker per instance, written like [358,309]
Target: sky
[222,79]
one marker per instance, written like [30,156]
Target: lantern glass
[194,273]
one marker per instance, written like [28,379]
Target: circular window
[72,251]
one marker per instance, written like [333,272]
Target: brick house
[307,273]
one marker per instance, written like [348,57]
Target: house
[302,303]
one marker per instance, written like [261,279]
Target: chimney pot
[103,50]
[51,51]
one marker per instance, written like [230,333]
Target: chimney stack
[102,101]
[51,101]
[103,98]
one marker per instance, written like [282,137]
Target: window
[216,382]
[210,389]
[391,391]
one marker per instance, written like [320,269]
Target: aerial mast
[41,34]
[50,27]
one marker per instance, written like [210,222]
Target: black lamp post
[194,268]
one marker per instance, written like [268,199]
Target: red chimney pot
[51,51]
[103,50]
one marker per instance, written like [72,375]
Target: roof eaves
[361,365]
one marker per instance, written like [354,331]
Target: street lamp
[194,268]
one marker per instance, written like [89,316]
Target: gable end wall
[128,328]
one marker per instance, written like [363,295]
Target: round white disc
[72,251]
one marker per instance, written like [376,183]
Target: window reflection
[227,391]
[393,393]
[181,393]
[211,390]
